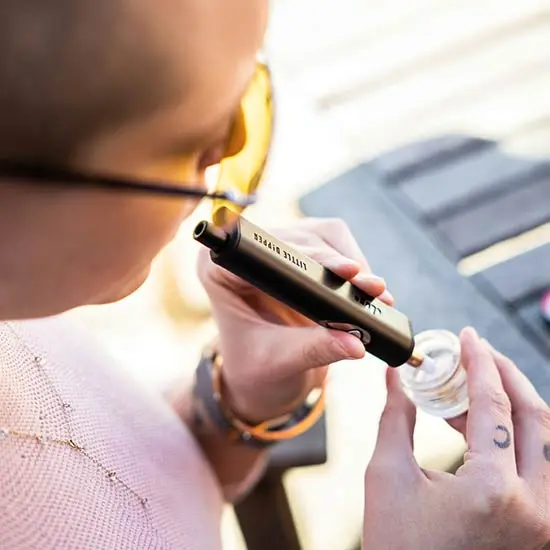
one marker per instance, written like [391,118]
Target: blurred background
[355,79]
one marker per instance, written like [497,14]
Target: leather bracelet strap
[209,387]
[203,390]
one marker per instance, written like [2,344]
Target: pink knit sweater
[90,461]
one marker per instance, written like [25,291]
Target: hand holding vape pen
[310,289]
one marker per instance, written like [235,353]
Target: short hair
[71,70]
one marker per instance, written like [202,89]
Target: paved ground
[356,79]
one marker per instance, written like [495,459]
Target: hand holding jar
[499,498]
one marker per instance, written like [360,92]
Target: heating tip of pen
[418,360]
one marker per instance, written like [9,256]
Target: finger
[342,247]
[348,269]
[336,233]
[386,297]
[459,423]
[333,260]
[489,429]
[312,347]
[373,286]
[531,417]
[338,236]
[395,443]
[519,388]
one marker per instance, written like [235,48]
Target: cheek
[134,234]
[127,232]
[157,228]
[123,265]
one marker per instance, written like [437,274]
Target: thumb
[395,443]
[312,347]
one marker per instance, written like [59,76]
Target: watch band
[203,390]
[209,388]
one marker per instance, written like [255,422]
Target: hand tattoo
[505,440]
[546,451]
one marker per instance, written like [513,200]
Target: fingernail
[470,332]
[368,278]
[354,348]
[386,296]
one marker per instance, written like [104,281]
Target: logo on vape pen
[367,303]
[280,251]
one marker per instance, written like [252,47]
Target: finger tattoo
[504,438]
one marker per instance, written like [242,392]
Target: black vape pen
[310,289]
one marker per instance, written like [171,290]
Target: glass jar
[441,389]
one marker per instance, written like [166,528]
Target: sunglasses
[240,170]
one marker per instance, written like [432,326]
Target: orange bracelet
[270,430]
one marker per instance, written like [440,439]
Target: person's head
[134,89]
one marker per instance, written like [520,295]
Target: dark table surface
[418,211]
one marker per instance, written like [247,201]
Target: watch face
[545,306]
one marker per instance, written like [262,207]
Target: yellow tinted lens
[242,169]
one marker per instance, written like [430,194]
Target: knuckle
[510,502]
[501,402]
[377,472]
[324,353]
[535,518]
[497,401]
[334,351]
[336,224]
[327,257]
[502,498]
[541,529]
[541,415]
[338,228]
[497,496]
[299,237]
[312,355]
[319,252]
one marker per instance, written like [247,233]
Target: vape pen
[310,289]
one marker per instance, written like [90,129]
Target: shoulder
[64,341]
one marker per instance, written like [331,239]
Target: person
[112,110]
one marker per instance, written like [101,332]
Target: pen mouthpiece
[210,236]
